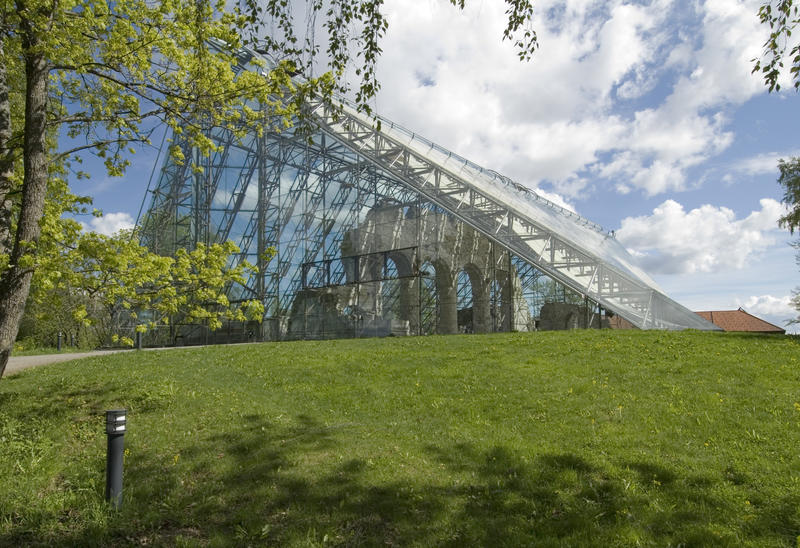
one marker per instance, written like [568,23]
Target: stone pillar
[409,303]
[481,313]
[448,301]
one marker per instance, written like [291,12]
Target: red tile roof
[739,320]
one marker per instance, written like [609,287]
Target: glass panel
[388,233]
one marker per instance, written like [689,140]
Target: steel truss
[464,190]
[305,198]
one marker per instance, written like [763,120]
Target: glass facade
[381,232]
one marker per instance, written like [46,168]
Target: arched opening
[464,308]
[402,263]
[499,299]
[390,291]
[479,288]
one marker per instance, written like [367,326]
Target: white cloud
[731,36]
[776,310]
[109,223]
[565,117]
[705,239]
[760,164]
[544,120]
[662,146]
[556,199]
[764,163]
[767,305]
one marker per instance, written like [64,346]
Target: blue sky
[643,117]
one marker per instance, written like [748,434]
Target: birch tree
[97,72]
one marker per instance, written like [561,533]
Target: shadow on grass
[277,484]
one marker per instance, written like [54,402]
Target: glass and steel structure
[382,232]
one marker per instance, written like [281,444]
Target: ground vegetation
[586,438]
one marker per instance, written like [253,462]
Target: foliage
[102,281]
[353,31]
[551,291]
[587,438]
[95,73]
[796,292]
[782,17]
[789,179]
[98,73]
[45,318]
[52,311]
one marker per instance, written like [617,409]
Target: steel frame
[454,189]
[302,196]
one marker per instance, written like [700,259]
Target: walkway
[18,363]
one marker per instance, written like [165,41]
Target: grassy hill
[588,438]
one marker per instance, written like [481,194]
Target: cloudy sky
[643,117]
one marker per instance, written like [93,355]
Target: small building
[739,320]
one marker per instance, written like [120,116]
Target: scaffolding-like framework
[380,231]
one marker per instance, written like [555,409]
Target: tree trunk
[15,283]
[6,158]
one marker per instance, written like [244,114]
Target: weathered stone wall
[449,246]
[561,316]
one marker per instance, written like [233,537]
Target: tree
[782,17]
[97,72]
[50,304]
[104,283]
[124,279]
[789,179]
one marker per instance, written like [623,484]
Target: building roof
[739,320]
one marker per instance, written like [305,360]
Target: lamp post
[115,431]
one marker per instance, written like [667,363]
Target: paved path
[18,363]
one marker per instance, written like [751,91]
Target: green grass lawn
[587,438]
[41,350]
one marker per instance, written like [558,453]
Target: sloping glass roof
[566,246]
[570,248]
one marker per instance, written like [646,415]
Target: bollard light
[115,430]
[138,340]
[59,341]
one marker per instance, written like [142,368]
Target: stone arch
[390,290]
[479,281]
[407,306]
[403,262]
